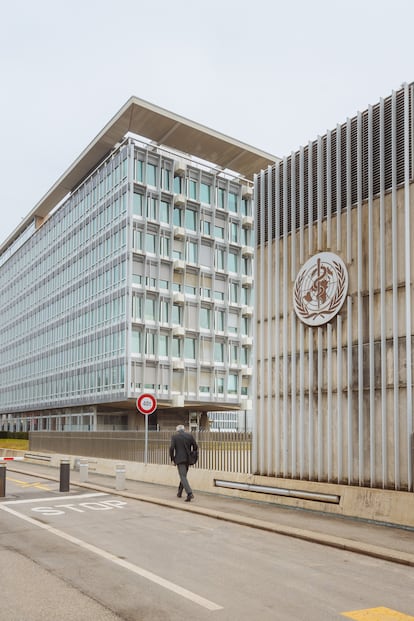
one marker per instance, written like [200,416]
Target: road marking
[148,575]
[25,484]
[377,614]
[52,498]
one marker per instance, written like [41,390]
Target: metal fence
[225,451]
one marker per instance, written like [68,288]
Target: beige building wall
[334,403]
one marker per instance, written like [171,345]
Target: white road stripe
[52,498]
[175,588]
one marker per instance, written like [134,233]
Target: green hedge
[15,435]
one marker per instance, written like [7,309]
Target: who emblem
[320,289]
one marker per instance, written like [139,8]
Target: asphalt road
[84,555]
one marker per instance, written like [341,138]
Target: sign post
[146,404]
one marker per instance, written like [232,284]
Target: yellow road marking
[25,484]
[377,614]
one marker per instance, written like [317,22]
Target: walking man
[182,446]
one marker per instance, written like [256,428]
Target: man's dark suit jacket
[182,443]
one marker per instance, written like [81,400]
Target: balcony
[178,364]
[178,298]
[247,222]
[247,311]
[247,281]
[247,341]
[178,331]
[178,265]
[179,200]
[180,168]
[247,251]
[179,232]
[247,191]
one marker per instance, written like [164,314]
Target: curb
[386,554]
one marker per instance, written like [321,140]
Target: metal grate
[332,168]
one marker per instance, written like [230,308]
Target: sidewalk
[385,542]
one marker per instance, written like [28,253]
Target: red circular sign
[146,403]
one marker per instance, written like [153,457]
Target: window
[137,239]
[192,189]
[164,311]
[151,174]
[150,344]
[178,185]
[189,348]
[219,232]
[150,242]
[176,347]
[205,318]
[220,385]
[190,219]
[221,198]
[219,259]
[234,293]
[205,193]
[232,202]
[165,212]
[136,307]
[137,204]
[138,171]
[234,232]
[166,179]
[192,252]
[233,384]
[219,321]
[163,345]
[164,246]
[178,216]
[189,290]
[219,352]
[150,309]
[177,315]
[136,341]
[151,208]
[206,227]
[233,262]
[234,354]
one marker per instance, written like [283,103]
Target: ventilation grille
[336,171]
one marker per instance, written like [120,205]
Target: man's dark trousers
[184,484]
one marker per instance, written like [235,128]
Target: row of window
[228,289]
[190,218]
[36,314]
[164,346]
[98,347]
[158,175]
[161,310]
[73,385]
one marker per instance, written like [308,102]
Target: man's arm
[172,449]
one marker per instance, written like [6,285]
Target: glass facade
[124,286]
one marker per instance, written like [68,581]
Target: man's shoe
[189,497]
[179,494]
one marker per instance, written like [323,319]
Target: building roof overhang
[162,127]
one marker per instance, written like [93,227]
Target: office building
[133,275]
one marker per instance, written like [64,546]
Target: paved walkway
[387,542]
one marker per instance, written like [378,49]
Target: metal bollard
[2,480]
[64,475]
[120,476]
[83,470]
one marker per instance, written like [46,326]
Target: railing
[225,451]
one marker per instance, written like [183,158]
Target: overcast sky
[272,74]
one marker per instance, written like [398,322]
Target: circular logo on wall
[320,289]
